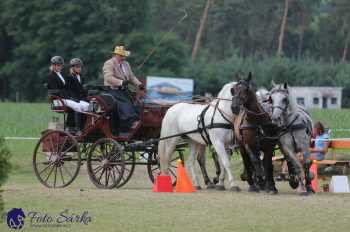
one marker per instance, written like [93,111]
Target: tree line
[303,42]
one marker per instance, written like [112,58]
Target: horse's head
[262,95]
[241,94]
[279,99]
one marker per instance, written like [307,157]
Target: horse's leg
[254,156]
[220,185]
[293,177]
[286,145]
[221,151]
[268,168]
[248,170]
[165,150]
[217,166]
[201,158]
[191,161]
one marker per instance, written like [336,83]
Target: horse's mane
[262,94]
[225,92]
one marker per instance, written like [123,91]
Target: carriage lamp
[94,106]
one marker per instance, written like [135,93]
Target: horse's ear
[269,99]
[273,83]
[285,85]
[232,91]
[249,78]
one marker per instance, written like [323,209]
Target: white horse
[295,136]
[183,117]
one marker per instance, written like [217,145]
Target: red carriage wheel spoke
[103,171]
[55,178]
[69,173]
[95,169]
[49,174]
[106,177]
[65,152]
[60,150]
[117,169]
[50,164]
[113,177]
[61,175]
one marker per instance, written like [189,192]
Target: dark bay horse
[250,127]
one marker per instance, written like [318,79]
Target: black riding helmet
[75,61]
[57,60]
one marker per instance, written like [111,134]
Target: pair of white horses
[183,117]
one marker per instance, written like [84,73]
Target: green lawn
[136,208]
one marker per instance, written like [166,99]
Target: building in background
[318,97]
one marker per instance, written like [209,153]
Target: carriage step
[123,134]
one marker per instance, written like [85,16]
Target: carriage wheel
[129,159]
[153,165]
[105,163]
[56,159]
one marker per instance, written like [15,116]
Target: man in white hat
[117,74]
[117,71]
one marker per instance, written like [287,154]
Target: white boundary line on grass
[21,138]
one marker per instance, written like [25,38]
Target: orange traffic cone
[163,184]
[313,169]
[183,183]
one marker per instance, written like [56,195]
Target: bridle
[285,93]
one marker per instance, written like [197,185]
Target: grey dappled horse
[295,132]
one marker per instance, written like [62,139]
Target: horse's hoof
[293,182]
[273,191]
[215,180]
[253,188]
[210,186]
[220,187]
[304,194]
[235,189]
[243,176]
[309,189]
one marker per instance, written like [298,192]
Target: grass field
[136,208]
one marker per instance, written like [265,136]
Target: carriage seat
[56,102]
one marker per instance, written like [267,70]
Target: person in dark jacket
[76,90]
[62,88]
[75,83]
[56,81]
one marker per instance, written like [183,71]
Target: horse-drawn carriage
[110,155]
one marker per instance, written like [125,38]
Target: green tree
[5,168]
[41,29]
